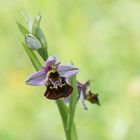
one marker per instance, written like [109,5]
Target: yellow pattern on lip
[53,70]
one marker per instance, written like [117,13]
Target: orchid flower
[85,94]
[55,77]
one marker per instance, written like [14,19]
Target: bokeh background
[102,38]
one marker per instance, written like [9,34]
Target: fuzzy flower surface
[86,94]
[55,77]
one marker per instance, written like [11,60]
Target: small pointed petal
[37,78]
[51,61]
[67,70]
[82,97]
[68,81]
[82,88]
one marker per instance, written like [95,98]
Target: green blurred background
[102,38]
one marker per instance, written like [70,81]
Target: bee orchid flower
[86,94]
[55,77]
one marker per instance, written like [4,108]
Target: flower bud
[32,42]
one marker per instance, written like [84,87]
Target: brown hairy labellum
[93,98]
[57,87]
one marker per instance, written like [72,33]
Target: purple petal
[67,70]
[82,97]
[83,87]
[50,61]
[68,81]
[37,78]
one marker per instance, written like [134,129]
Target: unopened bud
[32,42]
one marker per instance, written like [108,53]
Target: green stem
[72,105]
[63,110]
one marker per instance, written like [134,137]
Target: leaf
[38,33]
[43,53]
[32,57]
[22,29]
[36,24]
[28,20]
[41,36]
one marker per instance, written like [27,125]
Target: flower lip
[93,98]
[57,87]
[54,76]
